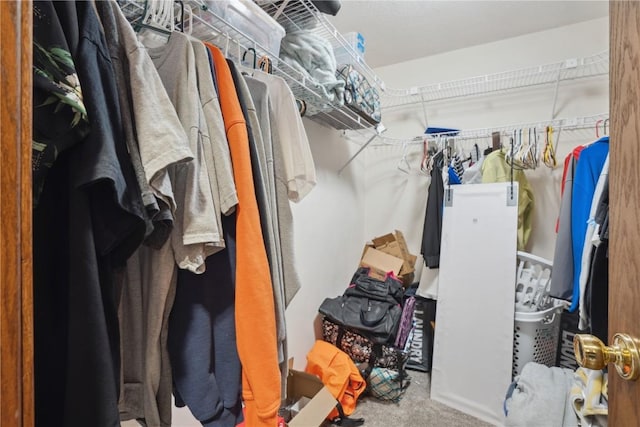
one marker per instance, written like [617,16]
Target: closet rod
[480,133]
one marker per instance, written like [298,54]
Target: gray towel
[541,398]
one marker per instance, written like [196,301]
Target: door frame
[16,297]
[624,182]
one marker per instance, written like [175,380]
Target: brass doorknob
[591,353]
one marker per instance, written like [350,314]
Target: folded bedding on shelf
[312,55]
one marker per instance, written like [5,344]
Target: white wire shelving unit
[561,125]
[302,14]
[570,69]
[476,135]
[209,26]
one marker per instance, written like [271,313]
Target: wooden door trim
[16,298]
[624,181]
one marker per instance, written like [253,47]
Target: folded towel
[589,396]
[541,398]
[313,56]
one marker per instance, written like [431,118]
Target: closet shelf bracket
[379,130]
[555,95]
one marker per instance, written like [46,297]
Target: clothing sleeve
[587,172]
[298,161]
[562,277]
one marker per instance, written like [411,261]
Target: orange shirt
[255,312]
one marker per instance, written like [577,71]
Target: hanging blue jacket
[588,170]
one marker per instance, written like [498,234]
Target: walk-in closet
[309,213]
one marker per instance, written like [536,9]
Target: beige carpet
[415,409]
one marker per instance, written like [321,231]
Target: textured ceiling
[400,30]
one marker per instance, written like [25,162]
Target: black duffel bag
[369,306]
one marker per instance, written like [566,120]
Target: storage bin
[252,21]
[356,41]
[535,337]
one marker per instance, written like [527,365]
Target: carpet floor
[415,409]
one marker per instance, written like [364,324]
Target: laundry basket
[535,337]
[533,283]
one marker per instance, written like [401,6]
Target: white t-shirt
[299,168]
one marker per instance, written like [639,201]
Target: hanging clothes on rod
[432,229]
[562,281]
[161,256]
[580,250]
[588,169]
[588,249]
[89,220]
[146,296]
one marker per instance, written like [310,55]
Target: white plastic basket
[533,283]
[535,337]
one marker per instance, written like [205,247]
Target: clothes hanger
[163,16]
[151,18]
[180,22]
[187,20]
[549,151]
[226,45]
[598,128]
[529,154]
[266,65]
[511,156]
[604,125]
[489,148]
[403,164]
[474,155]
[424,163]
[255,56]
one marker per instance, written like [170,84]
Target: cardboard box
[301,385]
[380,263]
[394,244]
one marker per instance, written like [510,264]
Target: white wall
[329,234]
[397,200]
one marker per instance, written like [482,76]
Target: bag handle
[345,421]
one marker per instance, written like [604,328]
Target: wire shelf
[303,15]
[210,27]
[566,124]
[298,15]
[571,69]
